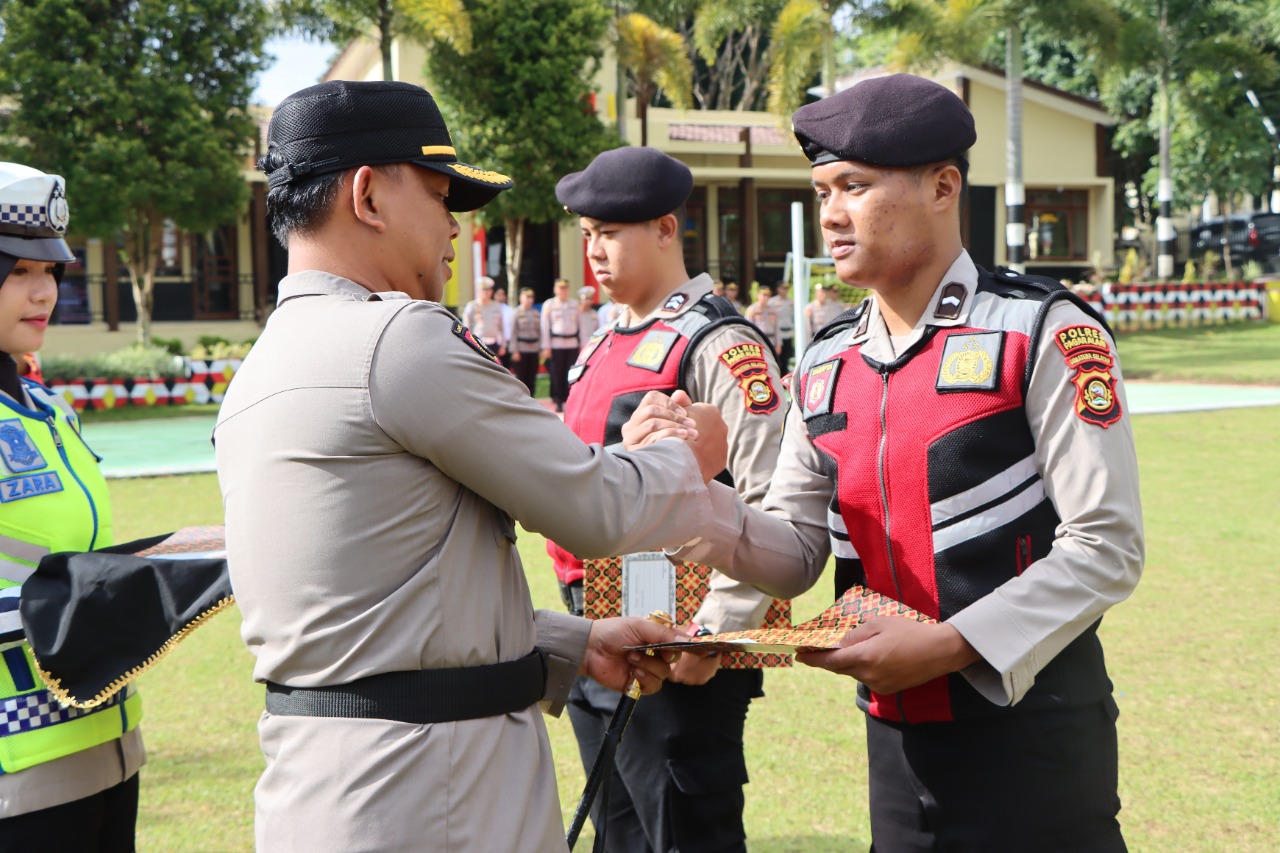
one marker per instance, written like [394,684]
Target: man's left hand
[892,653]
[608,662]
[695,667]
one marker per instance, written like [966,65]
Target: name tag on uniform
[648,584]
[971,362]
[29,486]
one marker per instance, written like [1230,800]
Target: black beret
[899,120]
[626,185]
[342,124]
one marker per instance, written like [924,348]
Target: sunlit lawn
[1195,656]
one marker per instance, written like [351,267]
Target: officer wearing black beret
[975,423]
[674,333]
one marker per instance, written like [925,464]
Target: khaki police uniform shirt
[767,319]
[370,483]
[560,324]
[486,321]
[822,313]
[753,442]
[528,330]
[785,310]
[1090,474]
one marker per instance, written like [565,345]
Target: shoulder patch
[819,387]
[18,450]
[675,302]
[950,301]
[1087,352]
[746,361]
[475,343]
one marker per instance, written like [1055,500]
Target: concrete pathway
[152,448]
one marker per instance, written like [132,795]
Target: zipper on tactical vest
[62,452]
[884,502]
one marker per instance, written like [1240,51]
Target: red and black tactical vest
[937,498]
[619,366]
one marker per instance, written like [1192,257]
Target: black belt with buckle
[421,696]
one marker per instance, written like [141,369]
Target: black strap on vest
[423,696]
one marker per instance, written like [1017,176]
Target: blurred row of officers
[527,335]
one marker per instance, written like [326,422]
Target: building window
[1058,225]
[775,222]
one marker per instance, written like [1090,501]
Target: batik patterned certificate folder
[824,631]
[603,594]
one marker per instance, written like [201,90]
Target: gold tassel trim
[55,684]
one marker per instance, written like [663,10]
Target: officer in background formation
[961,443]
[825,307]
[560,340]
[372,488]
[526,328]
[508,323]
[483,316]
[678,781]
[588,318]
[68,777]
[765,316]
[782,306]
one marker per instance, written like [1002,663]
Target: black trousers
[101,823]
[526,370]
[785,352]
[1037,780]
[558,370]
[677,781]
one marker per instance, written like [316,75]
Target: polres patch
[1087,352]
[652,352]
[746,361]
[17,448]
[819,387]
[472,341]
[970,362]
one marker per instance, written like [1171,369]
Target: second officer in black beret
[958,442]
[673,334]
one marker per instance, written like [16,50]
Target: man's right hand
[659,416]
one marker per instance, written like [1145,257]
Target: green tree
[929,30]
[520,103]
[143,107]
[655,58]
[383,21]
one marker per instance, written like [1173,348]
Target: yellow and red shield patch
[747,363]
[1087,352]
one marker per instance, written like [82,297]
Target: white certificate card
[648,584]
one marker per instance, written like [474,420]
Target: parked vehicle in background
[1249,236]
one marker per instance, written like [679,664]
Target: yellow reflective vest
[52,498]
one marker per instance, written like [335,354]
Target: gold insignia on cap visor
[479,174]
[428,150]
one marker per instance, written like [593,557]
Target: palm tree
[381,20]
[799,41]
[961,29]
[656,59]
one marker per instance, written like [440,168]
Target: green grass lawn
[1242,353]
[1193,656]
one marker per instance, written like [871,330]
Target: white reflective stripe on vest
[15,571]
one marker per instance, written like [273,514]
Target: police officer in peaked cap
[372,491]
[976,425]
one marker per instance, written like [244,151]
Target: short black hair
[301,206]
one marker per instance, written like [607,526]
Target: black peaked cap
[626,185]
[899,120]
[342,124]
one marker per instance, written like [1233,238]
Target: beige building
[747,172]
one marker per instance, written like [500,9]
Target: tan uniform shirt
[528,330]
[370,482]
[560,324]
[486,322]
[767,319]
[785,310]
[753,444]
[820,314]
[1090,474]
[588,322]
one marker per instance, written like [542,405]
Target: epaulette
[844,320]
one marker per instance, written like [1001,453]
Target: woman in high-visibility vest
[68,777]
